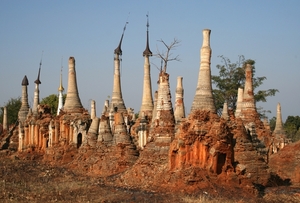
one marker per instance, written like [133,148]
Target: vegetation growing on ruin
[52,101]
[231,77]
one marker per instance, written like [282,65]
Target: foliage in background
[292,128]
[12,108]
[272,123]
[231,77]
[52,101]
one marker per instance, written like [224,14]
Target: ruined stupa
[248,111]
[5,122]
[279,135]
[72,103]
[163,126]
[225,111]
[179,109]
[93,109]
[239,103]
[203,99]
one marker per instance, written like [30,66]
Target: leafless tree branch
[166,56]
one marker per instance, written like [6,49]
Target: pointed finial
[118,50]
[37,81]
[61,88]
[147,51]
[147,21]
[25,81]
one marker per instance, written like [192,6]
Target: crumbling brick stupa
[161,148]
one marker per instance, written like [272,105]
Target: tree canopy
[292,128]
[231,77]
[52,101]
[12,108]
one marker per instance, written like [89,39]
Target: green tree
[12,108]
[272,123]
[292,128]
[231,77]
[52,101]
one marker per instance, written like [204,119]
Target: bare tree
[167,55]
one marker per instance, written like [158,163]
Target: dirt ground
[31,180]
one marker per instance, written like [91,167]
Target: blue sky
[267,31]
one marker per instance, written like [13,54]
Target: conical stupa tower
[163,126]
[36,99]
[117,99]
[60,94]
[120,133]
[279,135]
[203,99]
[105,134]
[5,123]
[25,106]
[92,135]
[248,111]
[93,109]
[147,101]
[72,103]
[239,103]
[225,114]
[278,127]
[179,111]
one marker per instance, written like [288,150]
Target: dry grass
[206,199]
[279,198]
[33,181]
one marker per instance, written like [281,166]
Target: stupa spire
[24,106]
[147,100]
[239,103]
[278,126]
[179,112]
[248,113]
[118,50]
[203,99]
[61,88]
[5,123]
[117,99]
[147,51]
[60,91]
[72,102]
[37,82]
